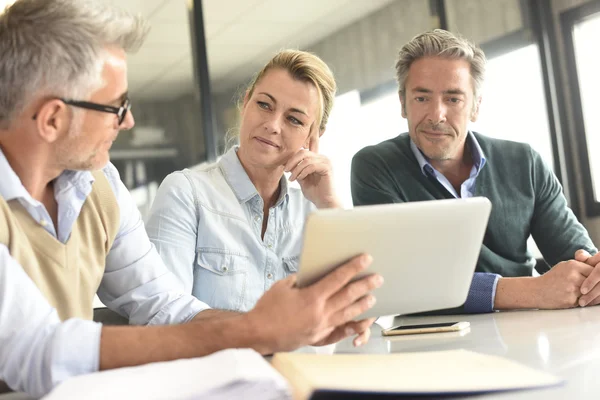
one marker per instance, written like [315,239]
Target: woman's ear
[246,99]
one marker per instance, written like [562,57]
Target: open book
[229,374]
[436,372]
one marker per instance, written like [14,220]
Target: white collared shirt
[467,188]
[37,351]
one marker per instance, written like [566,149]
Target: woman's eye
[295,121]
[263,105]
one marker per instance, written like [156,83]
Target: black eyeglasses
[121,112]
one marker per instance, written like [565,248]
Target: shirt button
[43,223]
[270,276]
[224,269]
[270,246]
[257,218]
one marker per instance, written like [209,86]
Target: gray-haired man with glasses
[120,112]
[69,229]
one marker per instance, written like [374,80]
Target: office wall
[227,115]
[180,119]
[361,55]
[559,6]
[482,21]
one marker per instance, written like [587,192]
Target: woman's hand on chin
[314,174]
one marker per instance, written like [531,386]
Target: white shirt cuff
[75,349]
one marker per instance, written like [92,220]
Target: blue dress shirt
[483,287]
[206,225]
[37,351]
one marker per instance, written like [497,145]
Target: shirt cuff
[179,311]
[75,349]
[481,293]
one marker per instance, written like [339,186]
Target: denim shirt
[206,224]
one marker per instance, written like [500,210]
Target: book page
[224,375]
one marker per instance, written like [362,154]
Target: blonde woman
[232,229]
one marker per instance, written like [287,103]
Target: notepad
[229,374]
[437,372]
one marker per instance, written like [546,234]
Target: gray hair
[58,47]
[441,43]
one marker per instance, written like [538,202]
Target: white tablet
[425,251]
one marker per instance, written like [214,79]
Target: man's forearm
[212,314]
[130,346]
[515,293]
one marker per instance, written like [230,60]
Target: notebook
[423,373]
[229,374]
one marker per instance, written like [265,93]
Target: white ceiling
[241,34]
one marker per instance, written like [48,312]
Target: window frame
[568,20]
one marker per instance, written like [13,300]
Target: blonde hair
[57,47]
[306,67]
[441,43]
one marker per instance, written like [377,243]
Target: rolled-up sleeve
[37,351]
[136,283]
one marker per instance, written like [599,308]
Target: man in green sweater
[440,77]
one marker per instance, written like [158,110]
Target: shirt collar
[477,154]
[79,180]
[11,187]
[240,182]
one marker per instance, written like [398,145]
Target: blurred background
[541,87]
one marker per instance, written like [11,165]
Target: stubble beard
[69,155]
[439,154]
[435,151]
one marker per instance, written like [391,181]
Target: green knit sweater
[526,197]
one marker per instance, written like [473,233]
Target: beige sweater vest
[67,274]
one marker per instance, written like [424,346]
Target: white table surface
[565,343]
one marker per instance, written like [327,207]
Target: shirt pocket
[290,264]
[220,278]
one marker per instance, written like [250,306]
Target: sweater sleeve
[555,229]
